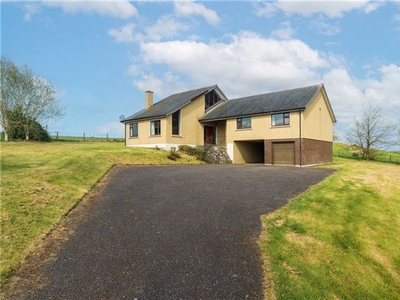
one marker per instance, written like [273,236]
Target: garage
[283,153]
[249,151]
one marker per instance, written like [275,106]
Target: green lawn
[40,182]
[339,240]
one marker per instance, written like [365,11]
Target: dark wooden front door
[209,135]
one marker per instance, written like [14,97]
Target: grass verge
[339,240]
[41,182]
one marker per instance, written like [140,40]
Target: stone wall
[217,155]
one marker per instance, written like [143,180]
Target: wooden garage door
[283,153]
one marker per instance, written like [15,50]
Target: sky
[101,56]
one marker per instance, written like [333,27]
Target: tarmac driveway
[173,232]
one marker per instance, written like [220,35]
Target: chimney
[149,99]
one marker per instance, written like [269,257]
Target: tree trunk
[26,133]
[5,135]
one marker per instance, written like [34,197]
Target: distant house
[291,127]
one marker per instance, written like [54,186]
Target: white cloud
[249,64]
[134,70]
[332,9]
[349,94]
[30,9]
[266,9]
[189,8]
[113,129]
[385,88]
[344,94]
[149,82]
[285,31]
[119,9]
[324,28]
[124,34]
[166,27]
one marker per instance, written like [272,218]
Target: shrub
[172,155]
[198,152]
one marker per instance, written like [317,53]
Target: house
[290,127]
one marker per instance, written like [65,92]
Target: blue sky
[101,56]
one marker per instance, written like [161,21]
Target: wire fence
[55,136]
[381,156]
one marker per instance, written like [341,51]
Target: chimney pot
[149,99]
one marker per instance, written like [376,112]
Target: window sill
[176,136]
[133,137]
[243,129]
[280,126]
[154,136]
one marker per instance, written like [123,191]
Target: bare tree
[336,135]
[11,87]
[398,136]
[371,131]
[33,94]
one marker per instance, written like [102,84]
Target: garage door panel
[283,153]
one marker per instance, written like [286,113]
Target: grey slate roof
[287,100]
[169,105]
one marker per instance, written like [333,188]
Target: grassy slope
[344,150]
[40,182]
[340,240]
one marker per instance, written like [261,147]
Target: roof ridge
[281,91]
[193,90]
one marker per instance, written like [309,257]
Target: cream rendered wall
[236,157]
[191,131]
[262,129]
[291,131]
[221,133]
[317,122]
[144,137]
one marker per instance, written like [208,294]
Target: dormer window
[212,98]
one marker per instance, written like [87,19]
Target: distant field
[40,182]
[348,151]
[85,139]
[340,239]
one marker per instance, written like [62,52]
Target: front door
[209,135]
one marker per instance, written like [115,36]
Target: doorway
[210,135]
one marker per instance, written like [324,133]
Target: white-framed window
[281,119]
[243,123]
[134,130]
[155,128]
[211,99]
[176,120]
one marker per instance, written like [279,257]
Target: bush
[197,152]
[172,155]
[18,122]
